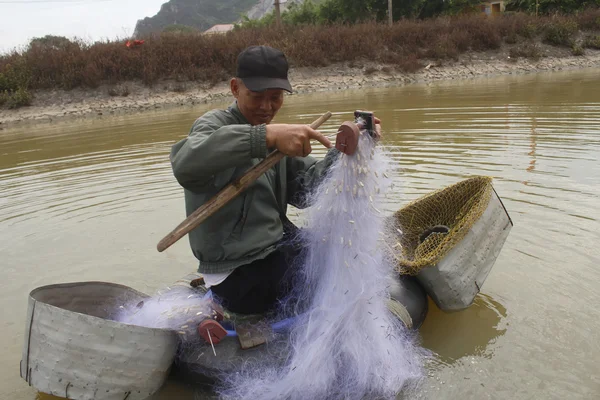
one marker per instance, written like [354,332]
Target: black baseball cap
[262,68]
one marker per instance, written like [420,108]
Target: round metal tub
[73,349]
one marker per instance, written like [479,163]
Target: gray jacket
[220,147]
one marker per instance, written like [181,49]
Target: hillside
[202,14]
[263,7]
[199,14]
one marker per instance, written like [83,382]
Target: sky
[22,20]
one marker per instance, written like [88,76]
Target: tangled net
[345,343]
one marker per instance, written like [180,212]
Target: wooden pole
[277,13]
[390,15]
[227,194]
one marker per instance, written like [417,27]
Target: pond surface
[90,200]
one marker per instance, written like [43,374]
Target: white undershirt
[215,279]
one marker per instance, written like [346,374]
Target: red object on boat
[347,138]
[135,43]
[212,328]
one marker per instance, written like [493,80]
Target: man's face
[257,107]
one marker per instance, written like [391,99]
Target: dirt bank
[134,97]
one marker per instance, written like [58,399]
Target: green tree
[350,11]
[409,9]
[454,7]
[354,11]
[268,19]
[306,13]
[51,42]
[361,10]
[433,8]
[551,6]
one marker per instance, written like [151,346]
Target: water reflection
[470,332]
[533,145]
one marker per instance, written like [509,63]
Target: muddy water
[90,200]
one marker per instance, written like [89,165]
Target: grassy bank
[64,64]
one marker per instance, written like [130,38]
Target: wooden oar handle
[228,193]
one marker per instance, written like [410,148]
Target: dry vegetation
[64,64]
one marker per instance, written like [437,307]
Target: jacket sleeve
[304,174]
[211,148]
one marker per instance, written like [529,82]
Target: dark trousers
[255,288]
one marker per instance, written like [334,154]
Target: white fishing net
[346,344]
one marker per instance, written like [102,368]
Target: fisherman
[244,250]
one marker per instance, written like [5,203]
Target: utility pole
[390,16]
[277,14]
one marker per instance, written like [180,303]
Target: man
[241,248]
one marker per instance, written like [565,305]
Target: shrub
[444,48]
[592,42]
[409,64]
[180,29]
[121,90]
[529,30]
[560,33]
[179,88]
[56,62]
[526,50]
[14,76]
[589,19]
[19,98]
[511,38]
[577,50]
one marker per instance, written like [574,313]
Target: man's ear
[235,87]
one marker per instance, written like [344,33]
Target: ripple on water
[90,200]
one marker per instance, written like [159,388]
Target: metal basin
[72,349]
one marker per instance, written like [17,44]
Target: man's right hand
[293,140]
